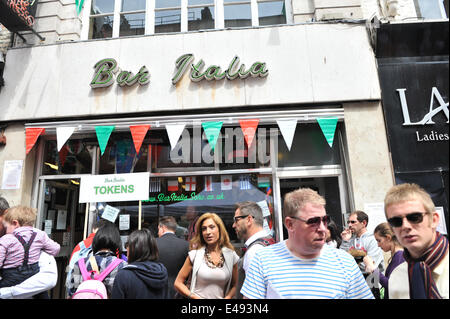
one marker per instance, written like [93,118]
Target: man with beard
[248,225]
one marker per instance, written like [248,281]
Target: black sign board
[413,71]
[18,15]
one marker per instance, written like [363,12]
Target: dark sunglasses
[315,220]
[414,218]
[236,218]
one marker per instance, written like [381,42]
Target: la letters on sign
[114,187]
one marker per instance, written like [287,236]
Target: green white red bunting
[31,136]
[62,135]
[138,133]
[287,129]
[174,132]
[328,126]
[103,134]
[249,129]
[212,130]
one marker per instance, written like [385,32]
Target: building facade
[231,101]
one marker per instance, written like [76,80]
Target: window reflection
[201,18]
[168,21]
[132,24]
[102,6]
[271,13]
[238,15]
[101,27]
[131,5]
[75,157]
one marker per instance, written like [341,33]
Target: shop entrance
[328,187]
[62,218]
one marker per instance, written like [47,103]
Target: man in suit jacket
[173,251]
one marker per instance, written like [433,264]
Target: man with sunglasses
[413,217]
[249,226]
[303,266]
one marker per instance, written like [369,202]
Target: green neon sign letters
[214,72]
[106,69]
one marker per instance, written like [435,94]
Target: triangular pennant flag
[249,129]
[212,131]
[31,136]
[174,131]
[138,133]
[328,126]
[62,135]
[287,128]
[103,134]
[79,5]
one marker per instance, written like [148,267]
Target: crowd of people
[317,260]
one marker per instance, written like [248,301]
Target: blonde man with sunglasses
[413,217]
[303,266]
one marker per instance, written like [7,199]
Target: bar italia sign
[114,187]
[107,71]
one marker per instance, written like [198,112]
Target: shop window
[309,148]
[201,14]
[237,14]
[271,12]
[432,9]
[120,156]
[75,157]
[167,16]
[176,16]
[101,19]
[188,197]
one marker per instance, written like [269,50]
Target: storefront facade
[197,94]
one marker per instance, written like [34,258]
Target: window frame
[150,10]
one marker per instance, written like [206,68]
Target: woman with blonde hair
[388,242]
[211,264]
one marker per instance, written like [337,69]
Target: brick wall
[5,39]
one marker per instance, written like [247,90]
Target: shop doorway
[328,187]
[62,218]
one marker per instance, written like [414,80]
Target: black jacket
[173,252]
[141,280]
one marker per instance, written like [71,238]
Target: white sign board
[375,211]
[114,187]
[441,227]
[12,172]
[110,213]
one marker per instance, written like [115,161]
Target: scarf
[421,282]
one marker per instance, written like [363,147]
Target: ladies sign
[114,187]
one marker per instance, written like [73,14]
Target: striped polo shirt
[276,273]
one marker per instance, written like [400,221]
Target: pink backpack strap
[83,269]
[108,269]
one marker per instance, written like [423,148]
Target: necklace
[210,263]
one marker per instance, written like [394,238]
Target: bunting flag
[79,5]
[244,182]
[172,185]
[212,131]
[62,135]
[226,182]
[190,184]
[103,134]
[263,181]
[31,136]
[155,185]
[138,133]
[328,126]
[287,129]
[249,129]
[174,131]
[208,184]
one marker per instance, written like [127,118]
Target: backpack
[80,254]
[94,288]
